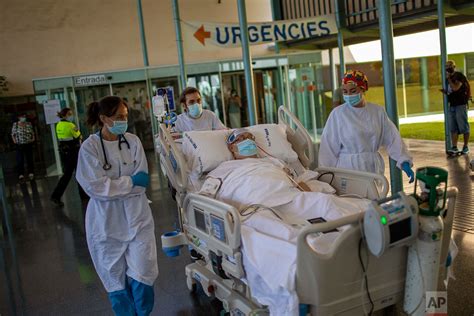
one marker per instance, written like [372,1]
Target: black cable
[366,280]
[254,208]
[325,173]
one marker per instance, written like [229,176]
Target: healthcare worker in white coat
[195,118]
[112,169]
[356,130]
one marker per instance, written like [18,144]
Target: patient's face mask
[247,148]
[353,99]
[195,110]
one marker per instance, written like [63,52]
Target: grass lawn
[430,131]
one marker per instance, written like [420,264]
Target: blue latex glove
[408,170]
[140,179]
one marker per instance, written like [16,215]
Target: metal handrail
[352,8]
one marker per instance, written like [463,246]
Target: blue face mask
[23,119]
[247,148]
[70,118]
[119,127]
[195,110]
[352,99]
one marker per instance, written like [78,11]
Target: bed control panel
[213,228]
[210,224]
[218,228]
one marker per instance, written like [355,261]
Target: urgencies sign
[229,35]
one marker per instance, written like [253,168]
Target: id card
[317,220]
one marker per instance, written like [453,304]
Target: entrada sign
[229,35]
[90,80]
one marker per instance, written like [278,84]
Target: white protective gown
[208,121]
[353,136]
[119,225]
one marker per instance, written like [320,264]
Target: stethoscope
[121,139]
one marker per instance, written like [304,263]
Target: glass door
[305,99]
[210,88]
[47,145]
[235,99]
[270,92]
[85,96]
[139,117]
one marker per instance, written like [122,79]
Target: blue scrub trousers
[136,299]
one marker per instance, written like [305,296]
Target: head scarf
[234,134]
[356,77]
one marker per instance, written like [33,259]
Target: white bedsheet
[268,243]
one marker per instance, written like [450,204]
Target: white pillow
[205,150]
[272,139]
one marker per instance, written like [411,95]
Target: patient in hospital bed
[254,177]
[291,198]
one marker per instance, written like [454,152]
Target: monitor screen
[200,219]
[400,230]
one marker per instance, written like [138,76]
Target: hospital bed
[327,283]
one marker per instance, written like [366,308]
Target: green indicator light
[383,219]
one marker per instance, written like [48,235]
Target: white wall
[49,38]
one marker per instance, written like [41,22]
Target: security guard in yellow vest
[69,138]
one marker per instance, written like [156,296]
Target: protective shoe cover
[136,299]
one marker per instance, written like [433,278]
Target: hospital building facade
[77,55]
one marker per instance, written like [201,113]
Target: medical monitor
[390,222]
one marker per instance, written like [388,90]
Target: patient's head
[241,144]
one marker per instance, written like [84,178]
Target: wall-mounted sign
[90,80]
[51,109]
[228,35]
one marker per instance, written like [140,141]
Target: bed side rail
[214,226]
[332,281]
[365,184]
[299,138]
[172,160]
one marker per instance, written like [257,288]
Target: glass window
[139,117]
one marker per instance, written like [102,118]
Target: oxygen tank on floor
[424,255]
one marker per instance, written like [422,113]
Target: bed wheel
[192,286]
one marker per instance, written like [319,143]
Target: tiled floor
[50,271]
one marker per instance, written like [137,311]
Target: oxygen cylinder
[424,255]
[423,264]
